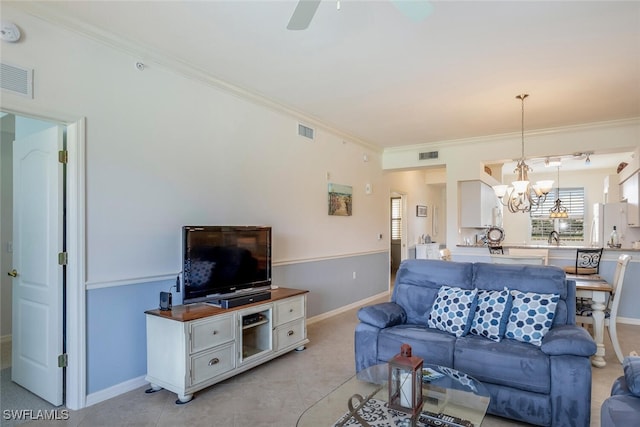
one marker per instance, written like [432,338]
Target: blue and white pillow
[531,316]
[451,309]
[491,314]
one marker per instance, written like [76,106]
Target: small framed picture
[421,210]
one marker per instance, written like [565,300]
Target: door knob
[13,273]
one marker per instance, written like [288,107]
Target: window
[396,218]
[570,229]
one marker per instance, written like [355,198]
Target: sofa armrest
[383,315]
[568,340]
[631,367]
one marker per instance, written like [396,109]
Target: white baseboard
[116,390]
[342,309]
[628,320]
[5,339]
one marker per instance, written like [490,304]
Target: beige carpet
[275,394]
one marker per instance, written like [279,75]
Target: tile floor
[276,393]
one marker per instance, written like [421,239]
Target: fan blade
[303,14]
[416,10]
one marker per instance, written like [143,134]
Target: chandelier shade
[522,196]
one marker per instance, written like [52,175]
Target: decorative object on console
[340,200]
[405,381]
[522,196]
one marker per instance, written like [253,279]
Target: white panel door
[37,284]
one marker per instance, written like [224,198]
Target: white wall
[164,150]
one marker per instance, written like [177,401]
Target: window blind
[396,218]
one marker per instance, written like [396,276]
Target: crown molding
[148,54]
[427,146]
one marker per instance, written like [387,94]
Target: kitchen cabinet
[630,191]
[477,203]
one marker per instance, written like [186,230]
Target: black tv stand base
[244,299]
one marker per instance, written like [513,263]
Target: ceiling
[387,77]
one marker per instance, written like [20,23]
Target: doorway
[33,236]
[398,233]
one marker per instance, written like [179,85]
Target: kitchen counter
[554,247]
[565,255]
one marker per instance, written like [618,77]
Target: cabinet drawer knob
[290,333]
[214,361]
[215,332]
[291,310]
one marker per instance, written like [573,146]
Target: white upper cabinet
[477,201]
[631,193]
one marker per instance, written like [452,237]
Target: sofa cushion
[547,279]
[451,309]
[631,366]
[509,363]
[433,345]
[491,314]
[419,280]
[531,316]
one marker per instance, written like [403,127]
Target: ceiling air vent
[428,155]
[17,80]
[305,131]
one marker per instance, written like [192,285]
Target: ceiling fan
[306,9]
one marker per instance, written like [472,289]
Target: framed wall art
[340,200]
[421,210]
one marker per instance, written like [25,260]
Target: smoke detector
[9,32]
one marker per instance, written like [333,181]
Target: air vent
[428,155]
[305,131]
[17,80]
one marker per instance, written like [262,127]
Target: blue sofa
[622,409]
[546,383]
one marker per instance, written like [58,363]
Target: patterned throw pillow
[531,316]
[450,311]
[491,315]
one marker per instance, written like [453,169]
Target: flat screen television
[219,261]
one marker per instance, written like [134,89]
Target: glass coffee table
[451,398]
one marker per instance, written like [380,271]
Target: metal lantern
[405,382]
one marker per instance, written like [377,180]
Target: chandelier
[522,196]
[558,211]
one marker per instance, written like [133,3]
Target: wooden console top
[185,313]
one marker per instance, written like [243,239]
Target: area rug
[376,413]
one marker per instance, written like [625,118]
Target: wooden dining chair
[587,261]
[584,313]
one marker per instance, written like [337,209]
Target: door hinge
[62,360]
[63,258]
[63,156]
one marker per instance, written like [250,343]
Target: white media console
[191,347]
